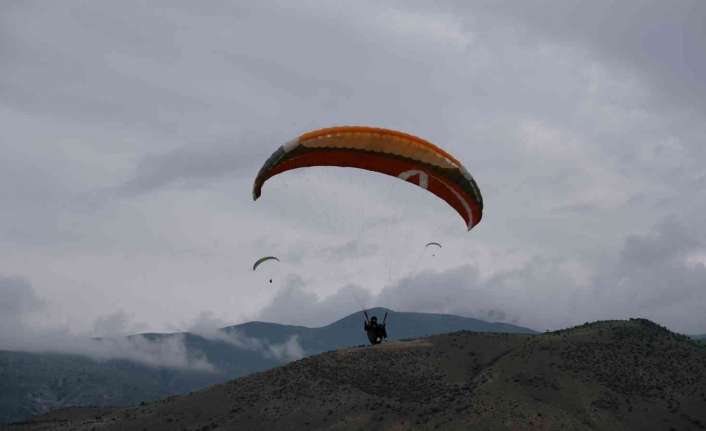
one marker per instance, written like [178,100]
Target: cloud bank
[660,275]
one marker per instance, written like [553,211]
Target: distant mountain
[613,375]
[34,383]
[349,330]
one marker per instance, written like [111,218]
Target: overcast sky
[131,132]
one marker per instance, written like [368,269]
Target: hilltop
[618,375]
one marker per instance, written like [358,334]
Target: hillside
[617,375]
[35,383]
[700,338]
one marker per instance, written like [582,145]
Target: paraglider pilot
[376,331]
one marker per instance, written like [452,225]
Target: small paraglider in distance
[434,244]
[261,260]
[376,331]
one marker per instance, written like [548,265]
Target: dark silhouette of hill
[34,383]
[613,375]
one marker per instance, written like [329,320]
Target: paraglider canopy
[263,259]
[390,152]
[435,244]
[260,261]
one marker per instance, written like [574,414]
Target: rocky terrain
[614,375]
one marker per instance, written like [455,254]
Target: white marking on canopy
[289,146]
[423,177]
[467,207]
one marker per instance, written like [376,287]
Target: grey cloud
[206,322]
[287,79]
[209,326]
[654,277]
[119,323]
[455,291]
[170,351]
[18,301]
[290,350]
[518,295]
[20,308]
[659,41]
[293,304]
[350,250]
[671,241]
[574,209]
[17,297]
[196,163]
[51,77]
[650,277]
[437,292]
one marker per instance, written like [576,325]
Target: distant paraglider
[433,244]
[262,260]
[390,152]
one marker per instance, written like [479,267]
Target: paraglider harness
[376,331]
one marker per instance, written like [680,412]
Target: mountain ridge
[618,375]
[34,383]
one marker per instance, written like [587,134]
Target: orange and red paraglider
[381,150]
